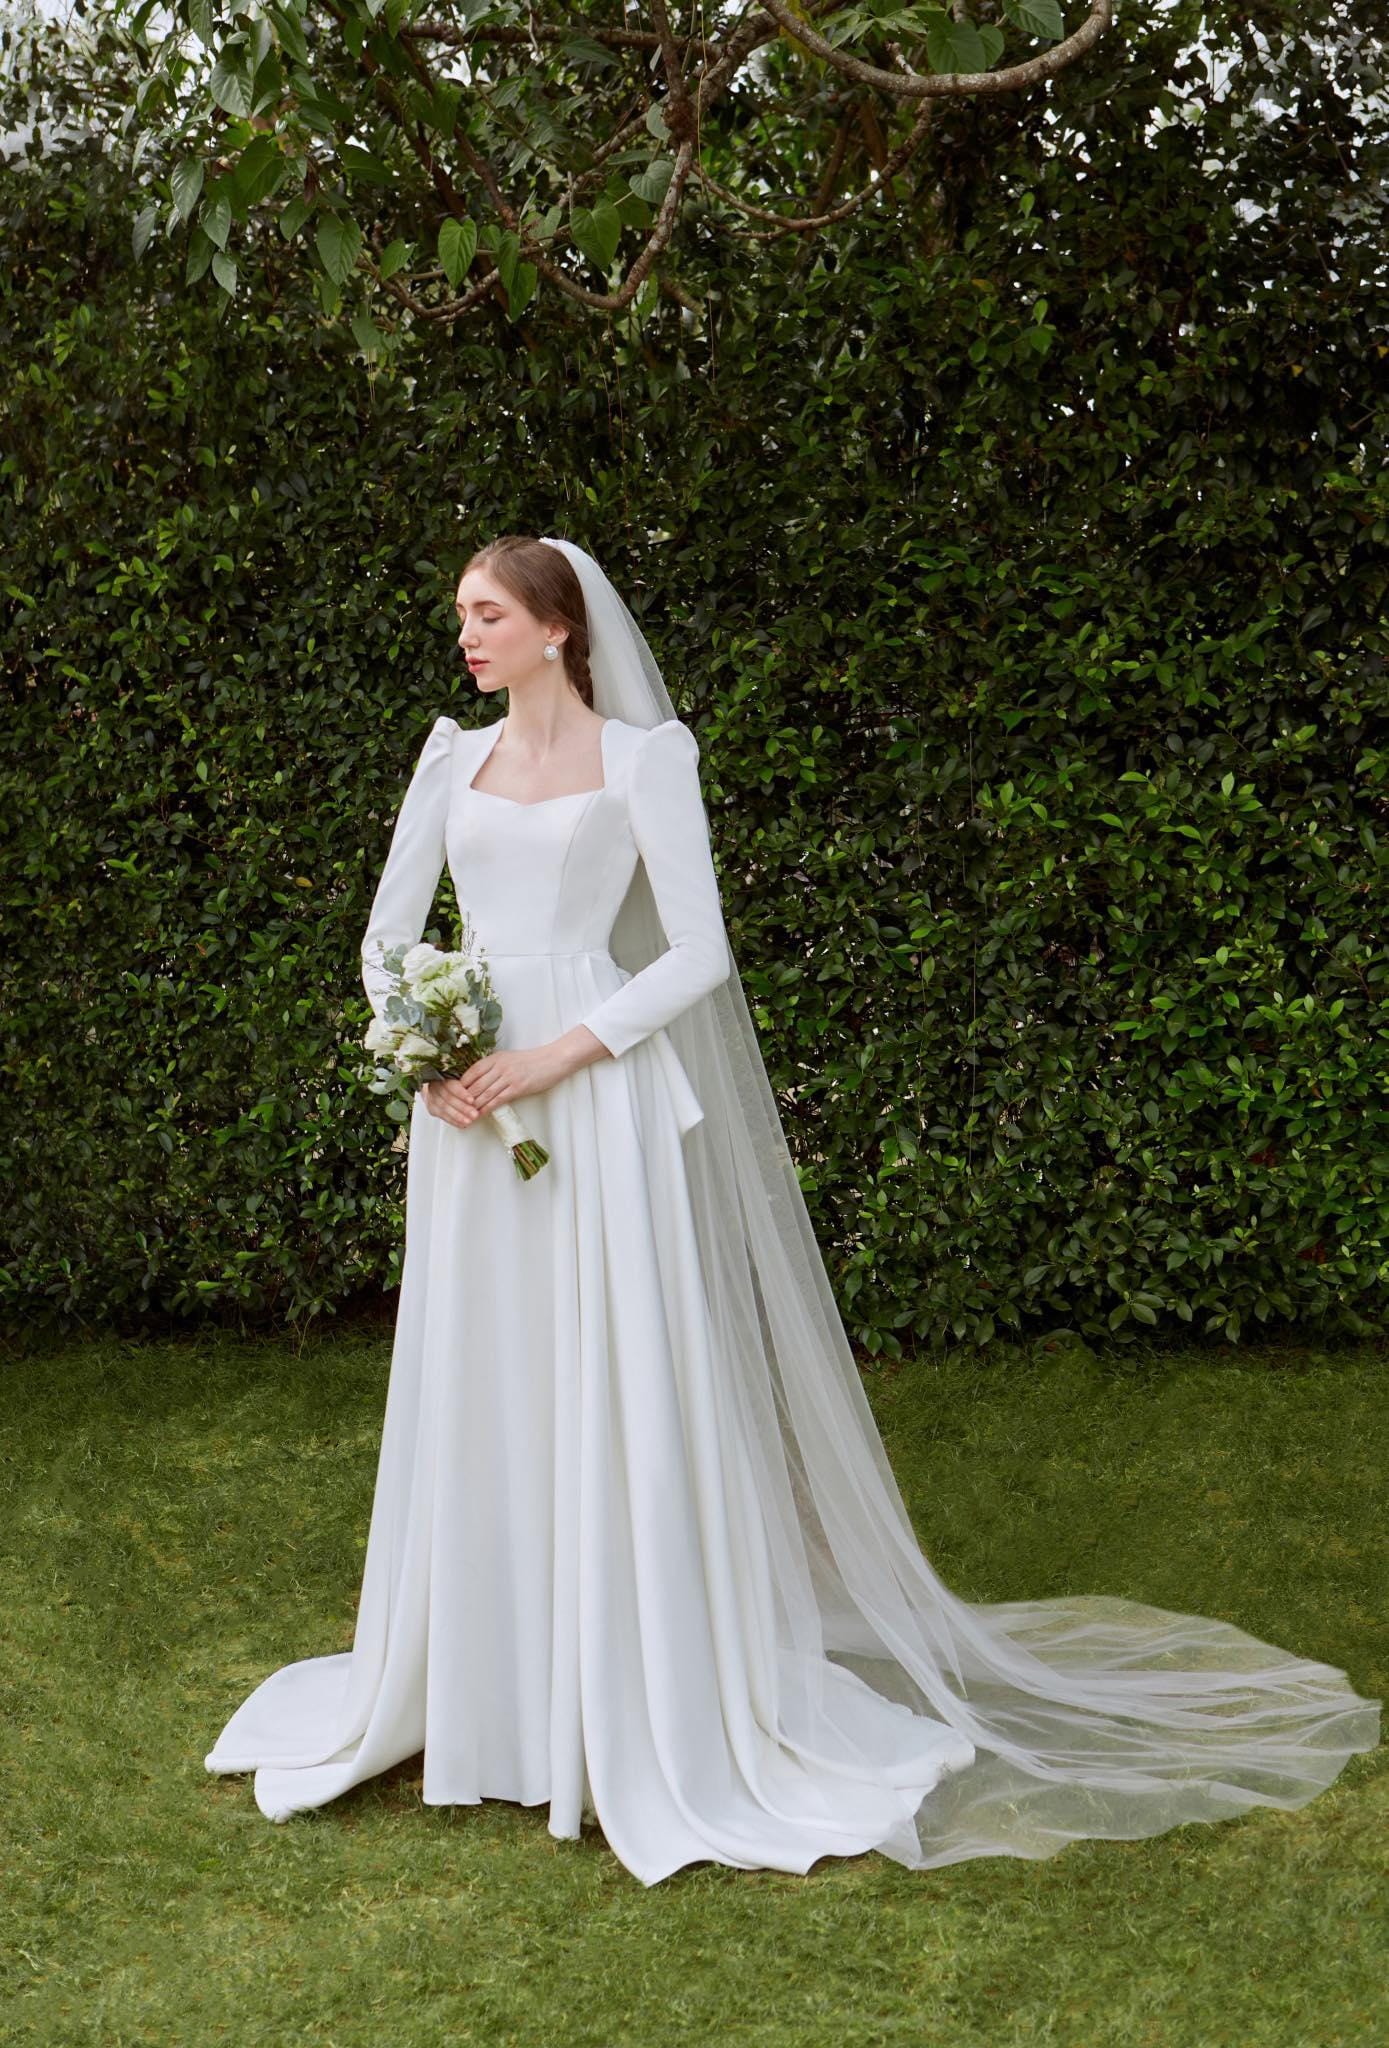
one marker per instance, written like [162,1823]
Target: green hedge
[1024,578]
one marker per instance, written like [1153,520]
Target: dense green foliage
[1023,576]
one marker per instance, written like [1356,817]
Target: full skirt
[567,1596]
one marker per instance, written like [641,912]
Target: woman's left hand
[500,1076]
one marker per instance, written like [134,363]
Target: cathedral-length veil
[1090,1715]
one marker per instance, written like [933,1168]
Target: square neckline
[535,803]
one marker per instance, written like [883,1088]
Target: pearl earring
[551,652]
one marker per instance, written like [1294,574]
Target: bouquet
[441,1016]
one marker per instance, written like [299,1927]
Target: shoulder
[435,754]
[668,742]
[446,739]
[438,741]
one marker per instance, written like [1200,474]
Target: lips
[477,664]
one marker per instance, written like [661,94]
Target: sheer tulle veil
[1090,1715]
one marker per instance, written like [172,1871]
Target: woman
[636,1550]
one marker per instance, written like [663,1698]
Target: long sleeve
[668,824]
[414,863]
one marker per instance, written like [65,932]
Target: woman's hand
[496,1078]
[500,1077]
[450,1101]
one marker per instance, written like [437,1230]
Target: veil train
[1090,1715]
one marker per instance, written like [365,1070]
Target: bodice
[544,877]
[542,885]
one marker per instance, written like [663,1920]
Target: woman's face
[500,640]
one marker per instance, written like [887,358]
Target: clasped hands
[498,1077]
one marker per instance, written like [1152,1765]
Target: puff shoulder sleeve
[668,823]
[413,864]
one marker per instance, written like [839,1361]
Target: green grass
[184,1518]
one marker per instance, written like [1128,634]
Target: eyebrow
[482,600]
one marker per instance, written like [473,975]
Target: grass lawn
[183,1518]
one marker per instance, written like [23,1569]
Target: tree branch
[909,84]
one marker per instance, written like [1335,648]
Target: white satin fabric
[566,1596]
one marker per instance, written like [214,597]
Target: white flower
[414,1045]
[382,1035]
[421,961]
[469,1019]
[438,993]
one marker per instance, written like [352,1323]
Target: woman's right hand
[450,1101]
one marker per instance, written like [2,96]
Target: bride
[636,1552]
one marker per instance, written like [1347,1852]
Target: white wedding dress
[569,1593]
[562,1594]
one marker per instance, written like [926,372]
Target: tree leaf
[457,248]
[1036,18]
[259,170]
[360,163]
[293,216]
[200,253]
[520,289]
[201,22]
[268,88]
[338,241]
[290,32]
[955,46]
[187,183]
[230,83]
[596,234]
[653,183]
[367,335]
[143,228]
[215,218]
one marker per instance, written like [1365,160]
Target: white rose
[415,1046]
[420,961]
[382,1035]
[439,992]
